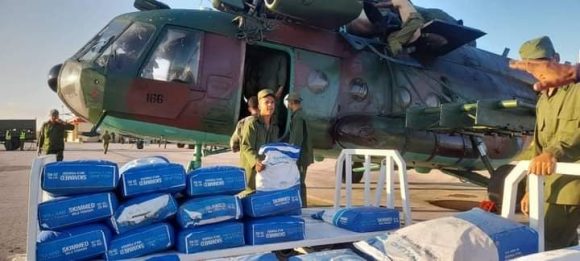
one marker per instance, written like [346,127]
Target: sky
[36,35]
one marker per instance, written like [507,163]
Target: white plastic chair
[35,196]
[386,179]
[536,194]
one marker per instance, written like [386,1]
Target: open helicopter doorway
[266,68]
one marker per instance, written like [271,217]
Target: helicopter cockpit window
[127,49]
[102,40]
[176,57]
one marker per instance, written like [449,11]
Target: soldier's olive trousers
[302,170]
[250,181]
[560,226]
[58,153]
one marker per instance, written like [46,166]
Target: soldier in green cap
[257,131]
[52,133]
[300,136]
[556,139]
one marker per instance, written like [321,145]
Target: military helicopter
[185,75]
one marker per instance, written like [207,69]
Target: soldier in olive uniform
[300,136]
[52,133]
[257,131]
[556,139]
[106,140]
[237,135]
[411,19]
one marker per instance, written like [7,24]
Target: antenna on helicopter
[147,5]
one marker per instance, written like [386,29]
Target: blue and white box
[143,211]
[274,230]
[142,241]
[211,237]
[79,177]
[88,241]
[158,178]
[272,203]
[361,219]
[209,210]
[76,210]
[216,180]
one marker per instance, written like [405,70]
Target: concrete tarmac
[432,195]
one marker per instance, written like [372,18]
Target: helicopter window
[176,57]
[102,40]
[128,47]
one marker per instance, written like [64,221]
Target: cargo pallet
[318,233]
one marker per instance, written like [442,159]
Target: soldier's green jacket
[52,135]
[254,135]
[106,137]
[558,132]
[237,135]
[300,136]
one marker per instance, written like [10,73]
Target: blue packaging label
[216,180]
[142,241]
[211,237]
[263,204]
[75,210]
[79,243]
[143,211]
[274,230]
[209,210]
[79,177]
[160,177]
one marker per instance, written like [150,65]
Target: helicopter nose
[53,77]
[70,89]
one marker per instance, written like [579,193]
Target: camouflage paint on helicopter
[180,74]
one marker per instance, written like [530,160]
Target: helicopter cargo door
[222,67]
[267,67]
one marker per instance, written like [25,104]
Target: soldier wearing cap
[52,133]
[300,136]
[257,131]
[556,139]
